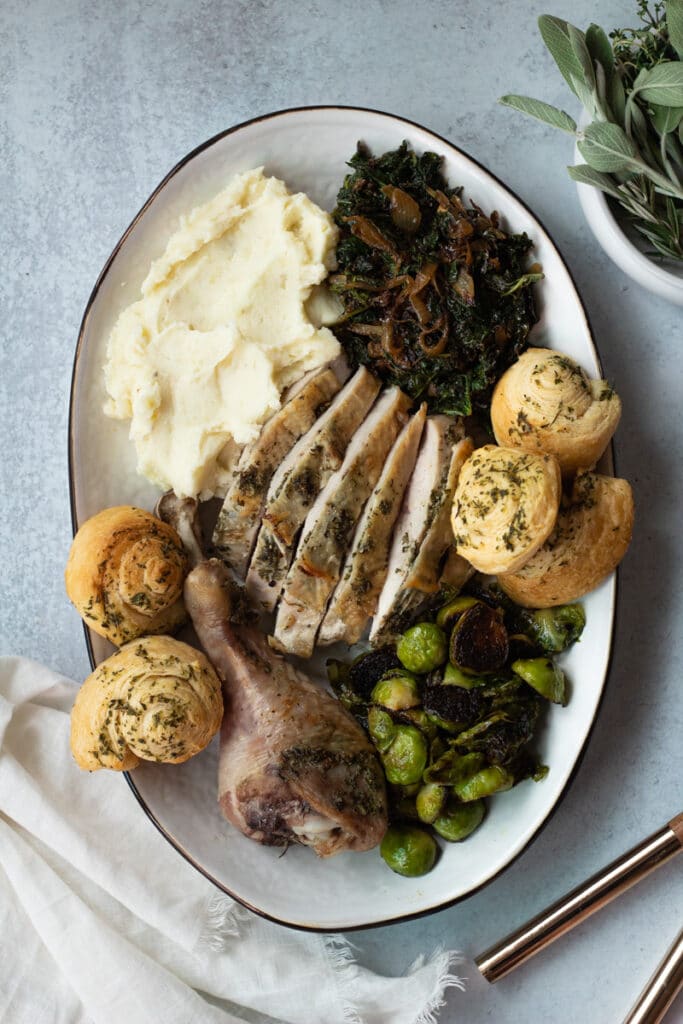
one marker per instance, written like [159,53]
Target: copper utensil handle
[661,989]
[581,902]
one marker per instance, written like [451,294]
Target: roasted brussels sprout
[554,629]
[408,850]
[430,801]
[458,821]
[485,782]
[545,677]
[479,640]
[406,758]
[423,647]
[381,728]
[397,692]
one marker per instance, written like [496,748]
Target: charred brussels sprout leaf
[479,640]
[453,767]
[454,676]
[368,669]
[353,683]
[450,613]
[338,676]
[452,703]
[502,735]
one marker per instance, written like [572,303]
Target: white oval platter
[308,148]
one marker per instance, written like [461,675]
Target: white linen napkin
[101,920]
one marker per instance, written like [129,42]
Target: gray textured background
[97,102]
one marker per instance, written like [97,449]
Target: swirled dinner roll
[591,537]
[156,699]
[505,506]
[125,574]
[545,402]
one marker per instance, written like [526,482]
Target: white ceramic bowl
[309,149]
[665,281]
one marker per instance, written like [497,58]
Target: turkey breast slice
[330,526]
[355,597]
[240,516]
[298,481]
[422,538]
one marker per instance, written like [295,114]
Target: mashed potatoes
[200,361]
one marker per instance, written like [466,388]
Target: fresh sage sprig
[631,87]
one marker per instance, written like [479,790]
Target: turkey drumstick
[294,766]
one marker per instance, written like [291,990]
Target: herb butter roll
[545,402]
[505,506]
[591,536]
[125,574]
[156,699]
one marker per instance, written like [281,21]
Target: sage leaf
[600,49]
[663,84]
[555,35]
[607,147]
[674,23]
[541,111]
[666,119]
[587,95]
[582,54]
[616,98]
[589,176]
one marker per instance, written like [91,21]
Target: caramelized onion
[405,212]
[369,233]
[393,347]
[424,276]
[437,347]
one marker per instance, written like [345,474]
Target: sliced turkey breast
[422,538]
[330,526]
[298,481]
[365,570]
[240,516]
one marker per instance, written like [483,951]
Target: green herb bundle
[631,86]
